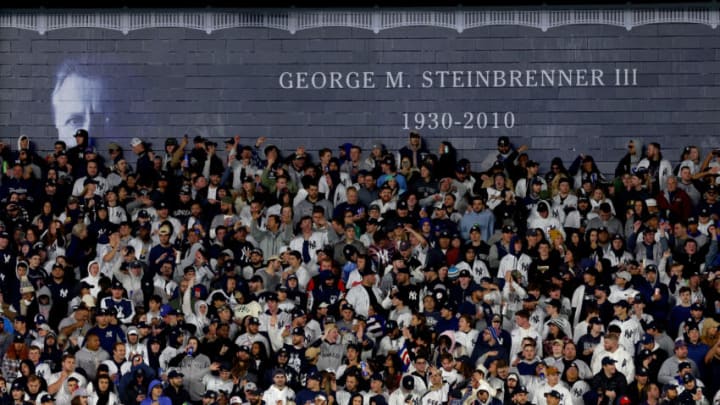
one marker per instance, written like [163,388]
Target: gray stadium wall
[167,81]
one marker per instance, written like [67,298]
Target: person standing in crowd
[425,291]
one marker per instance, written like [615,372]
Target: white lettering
[483,77]
[548,76]
[327,80]
[515,78]
[566,77]
[368,80]
[393,82]
[301,80]
[353,80]
[457,79]
[499,78]
[530,79]
[335,80]
[582,77]
[427,80]
[286,80]
[442,74]
[581,80]
[314,80]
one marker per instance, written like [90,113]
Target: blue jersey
[108,336]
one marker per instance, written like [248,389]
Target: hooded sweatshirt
[547,223]
[162,399]
[515,261]
[44,310]
[94,281]
[197,318]
[629,162]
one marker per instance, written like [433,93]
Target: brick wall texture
[166,82]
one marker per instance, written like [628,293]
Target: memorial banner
[562,82]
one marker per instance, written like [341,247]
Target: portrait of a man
[75,100]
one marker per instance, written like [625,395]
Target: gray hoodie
[44,309]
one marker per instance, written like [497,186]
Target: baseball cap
[683,365]
[408,382]
[623,274]
[602,287]
[645,353]
[210,394]
[530,298]
[608,360]
[554,393]
[80,392]
[622,303]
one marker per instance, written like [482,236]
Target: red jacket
[679,205]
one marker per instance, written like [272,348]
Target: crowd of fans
[361,277]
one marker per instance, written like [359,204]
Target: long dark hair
[103,396]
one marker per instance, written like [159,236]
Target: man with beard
[162,251]
[93,172]
[181,207]
[546,264]
[658,169]
[226,215]
[311,391]
[174,390]
[295,351]
[308,241]
[313,200]
[255,263]
[407,290]
[142,243]
[608,384]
